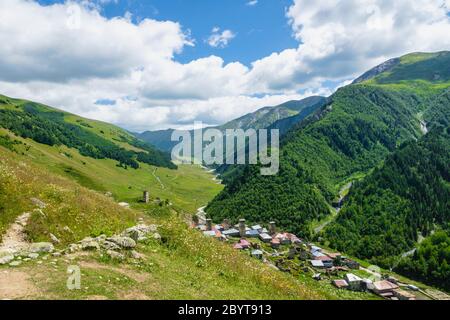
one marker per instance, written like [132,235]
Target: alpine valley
[364,184]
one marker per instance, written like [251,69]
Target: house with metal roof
[211,233]
[231,233]
[284,238]
[327,261]
[275,243]
[257,254]
[340,284]
[317,264]
[404,295]
[317,254]
[264,237]
[252,234]
[384,287]
[245,244]
[354,282]
[257,228]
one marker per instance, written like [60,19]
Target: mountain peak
[431,67]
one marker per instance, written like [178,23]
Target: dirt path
[16,285]
[15,239]
[158,179]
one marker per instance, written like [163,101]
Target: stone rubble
[112,246]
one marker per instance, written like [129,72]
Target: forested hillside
[431,262]
[361,125]
[52,127]
[407,196]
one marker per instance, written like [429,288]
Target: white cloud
[341,39]
[70,57]
[62,42]
[252,3]
[219,39]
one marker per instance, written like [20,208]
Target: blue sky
[259,29]
[157,64]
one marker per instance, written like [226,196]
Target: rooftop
[324,258]
[385,285]
[350,277]
[340,283]
[317,263]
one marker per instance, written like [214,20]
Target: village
[288,253]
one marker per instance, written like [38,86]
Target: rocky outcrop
[6,257]
[123,242]
[116,247]
[41,247]
[386,66]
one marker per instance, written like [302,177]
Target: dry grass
[71,213]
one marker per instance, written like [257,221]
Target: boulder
[101,238]
[135,235]
[139,231]
[38,203]
[115,255]
[6,257]
[142,239]
[15,263]
[136,255]
[67,229]
[90,245]
[74,247]
[108,245]
[123,242]
[41,247]
[157,236]
[55,240]
[33,255]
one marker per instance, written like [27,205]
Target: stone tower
[208,224]
[272,228]
[242,228]
[146,197]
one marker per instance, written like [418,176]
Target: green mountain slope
[260,119]
[76,192]
[265,117]
[94,139]
[187,187]
[183,265]
[409,193]
[361,125]
[161,139]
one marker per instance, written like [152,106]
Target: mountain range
[390,123]
[281,117]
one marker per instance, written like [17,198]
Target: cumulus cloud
[341,39]
[220,39]
[252,3]
[62,42]
[71,57]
